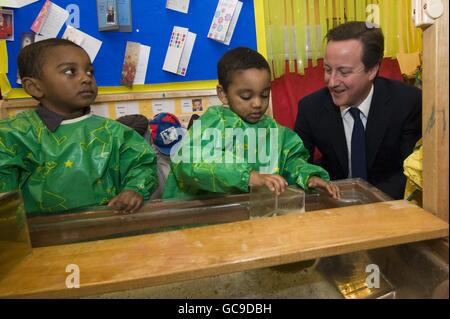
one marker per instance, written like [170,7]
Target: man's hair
[32,57]
[371,38]
[236,60]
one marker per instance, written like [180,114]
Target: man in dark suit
[362,124]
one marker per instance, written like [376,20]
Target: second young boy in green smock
[231,148]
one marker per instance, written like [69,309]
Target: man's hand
[275,183]
[333,190]
[127,201]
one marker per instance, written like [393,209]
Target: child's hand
[127,201]
[333,190]
[274,183]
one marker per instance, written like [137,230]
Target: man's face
[248,94]
[345,76]
[67,80]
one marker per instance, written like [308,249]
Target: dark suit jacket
[394,125]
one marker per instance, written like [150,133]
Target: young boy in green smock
[235,146]
[60,155]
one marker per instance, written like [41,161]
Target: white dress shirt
[347,120]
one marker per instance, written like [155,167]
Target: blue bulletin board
[152,25]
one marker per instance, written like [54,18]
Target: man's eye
[246,97]
[90,72]
[69,71]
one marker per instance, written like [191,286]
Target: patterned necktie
[359,163]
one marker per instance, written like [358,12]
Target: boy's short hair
[32,57]
[371,38]
[237,59]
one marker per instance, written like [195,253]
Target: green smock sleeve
[137,165]
[11,158]
[296,169]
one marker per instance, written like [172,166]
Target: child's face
[67,82]
[247,94]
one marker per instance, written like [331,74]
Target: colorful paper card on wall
[179,52]
[134,68]
[226,11]
[49,21]
[186,55]
[178,5]
[233,23]
[90,44]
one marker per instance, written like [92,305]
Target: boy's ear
[33,87]
[222,95]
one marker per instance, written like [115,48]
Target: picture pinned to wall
[107,15]
[7,25]
[134,68]
[179,51]
[192,105]
[90,44]
[224,21]
[49,21]
[114,15]
[178,5]
[197,105]
[130,63]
